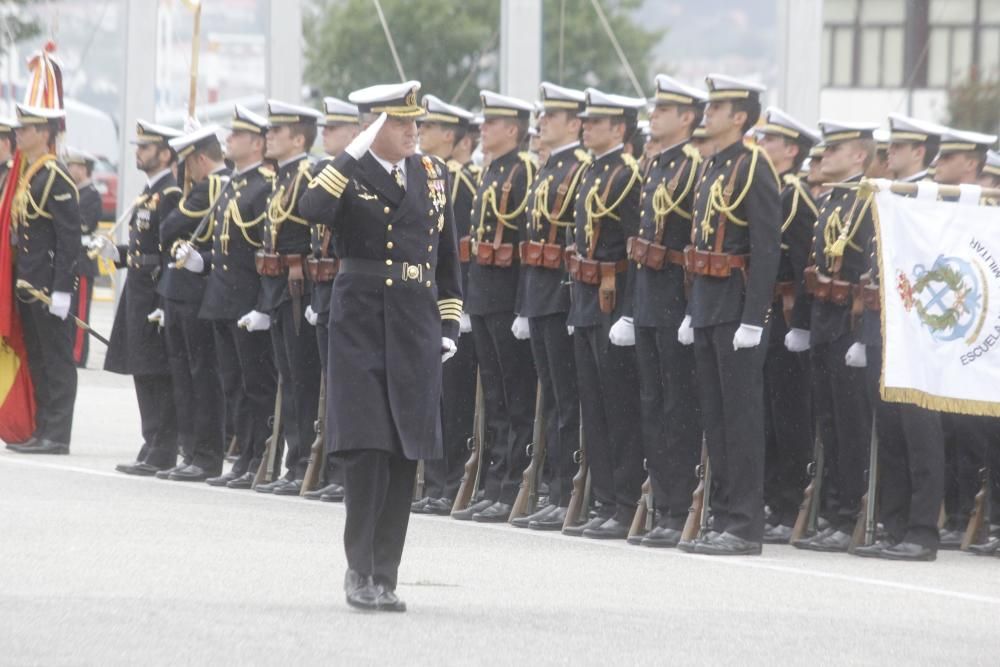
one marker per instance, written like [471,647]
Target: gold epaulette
[454,166]
[55,167]
[528,159]
[474,169]
[582,155]
[305,166]
[266,172]
[171,190]
[692,153]
[630,162]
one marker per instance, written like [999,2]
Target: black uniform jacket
[137,345]
[90,214]
[606,214]
[550,216]
[321,245]
[752,227]
[286,229]
[237,227]
[503,190]
[798,214]
[464,183]
[385,333]
[658,296]
[47,214]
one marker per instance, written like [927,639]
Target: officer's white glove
[255,321]
[156,317]
[685,334]
[570,329]
[857,356]
[464,324]
[797,340]
[187,257]
[622,332]
[60,304]
[448,349]
[311,316]
[747,336]
[191,124]
[361,143]
[520,328]
[104,248]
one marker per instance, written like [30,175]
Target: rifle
[265,471]
[317,451]
[527,495]
[419,482]
[578,500]
[473,466]
[697,516]
[644,511]
[864,529]
[978,530]
[39,295]
[805,522]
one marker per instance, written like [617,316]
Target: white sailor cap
[201,138]
[28,115]
[700,132]
[504,106]
[606,105]
[151,133]
[722,88]
[816,152]
[7,125]
[643,127]
[778,122]
[835,131]
[338,112]
[477,121]
[903,129]
[282,113]
[439,111]
[958,141]
[882,139]
[393,99]
[559,98]
[671,91]
[992,166]
[245,120]
[78,156]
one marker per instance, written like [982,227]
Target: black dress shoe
[474,508]
[990,547]
[836,542]
[439,507]
[293,488]
[872,550]
[387,600]
[222,480]
[777,534]
[951,540]
[244,481]
[689,546]
[524,521]
[360,592]
[192,473]
[577,531]
[496,513]
[123,467]
[553,520]
[271,486]
[612,529]
[42,446]
[317,494]
[909,551]
[728,544]
[661,538]
[333,494]
[166,473]
[803,543]
[138,468]
[417,506]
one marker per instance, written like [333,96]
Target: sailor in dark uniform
[46,215]
[80,165]
[671,415]
[606,214]
[7,145]
[787,399]
[506,368]
[990,176]
[394,317]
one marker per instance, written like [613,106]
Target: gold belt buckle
[412,271]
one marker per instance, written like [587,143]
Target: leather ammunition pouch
[785,293]
[498,255]
[653,255]
[322,269]
[826,288]
[714,264]
[269,264]
[465,249]
[543,255]
[601,274]
[870,296]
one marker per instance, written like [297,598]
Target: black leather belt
[388,269]
[143,260]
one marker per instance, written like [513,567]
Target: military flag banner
[940,300]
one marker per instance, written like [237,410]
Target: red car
[105,179]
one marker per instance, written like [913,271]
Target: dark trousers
[609,413]
[971,440]
[509,384]
[257,383]
[731,390]
[844,420]
[671,420]
[788,429]
[80,307]
[331,473]
[552,349]
[194,371]
[49,343]
[910,464]
[158,418]
[378,488]
[443,476]
[230,375]
[297,357]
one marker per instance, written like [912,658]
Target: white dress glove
[60,304]
[622,332]
[187,257]
[156,317]
[685,334]
[464,324]
[747,336]
[104,248]
[448,349]
[857,356]
[520,328]
[311,316]
[255,321]
[797,340]
[361,143]
[191,124]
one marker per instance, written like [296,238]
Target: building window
[864,43]
[964,37]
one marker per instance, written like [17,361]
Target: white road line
[757,563]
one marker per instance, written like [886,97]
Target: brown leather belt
[827,289]
[713,264]
[588,271]
[274,264]
[322,269]
[542,255]
[653,255]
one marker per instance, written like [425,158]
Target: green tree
[451,46]
[974,104]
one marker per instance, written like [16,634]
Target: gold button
[225,267]
[430,248]
[431,231]
[385,210]
[606,167]
[412,272]
[388,228]
[389,245]
[388,282]
[428,265]
[558,164]
[428,283]
[388,262]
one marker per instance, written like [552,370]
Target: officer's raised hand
[255,321]
[857,356]
[448,349]
[361,143]
[622,332]
[747,336]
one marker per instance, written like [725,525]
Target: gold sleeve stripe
[335,189]
[451,309]
[456,318]
[450,302]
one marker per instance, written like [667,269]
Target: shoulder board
[582,155]
[528,158]
[454,166]
[692,153]
[305,166]
[630,161]
[474,168]
[266,172]
[57,168]
[759,153]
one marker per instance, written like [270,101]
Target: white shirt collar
[565,148]
[285,163]
[616,148]
[248,169]
[919,176]
[388,166]
[157,177]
